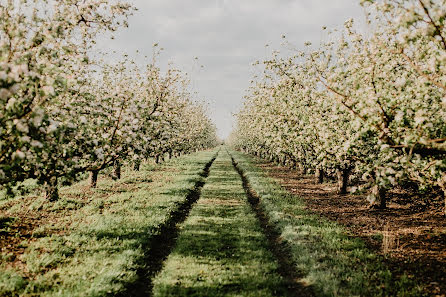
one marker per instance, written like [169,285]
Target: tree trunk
[380,197]
[293,164]
[157,159]
[93,178]
[51,190]
[342,180]
[116,170]
[137,165]
[443,187]
[302,169]
[9,191]
[319,175]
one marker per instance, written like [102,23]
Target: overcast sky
[227,36]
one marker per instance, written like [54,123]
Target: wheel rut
[278,248]
[158,248]
[221,249]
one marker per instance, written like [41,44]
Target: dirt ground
[410,234]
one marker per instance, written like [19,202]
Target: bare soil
[410,233]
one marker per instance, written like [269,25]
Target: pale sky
[227,36]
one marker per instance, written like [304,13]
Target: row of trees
[368,107]
[63,113]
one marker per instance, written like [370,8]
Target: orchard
[63,113]
[114,181]
[364,107]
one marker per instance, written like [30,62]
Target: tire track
[279,249]
[159,246]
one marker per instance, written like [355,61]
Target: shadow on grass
[336,263]
[221,250]
[218,289]
[5,223]
[137,180]
[281,251]
[219,240]
[158,247]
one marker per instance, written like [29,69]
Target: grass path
[193,226]
[221,249]
[162,243]
[330,259]
[95,242]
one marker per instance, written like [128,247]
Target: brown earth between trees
[410,234]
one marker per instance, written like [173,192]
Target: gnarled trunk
[380,197]
[51,190]
[442,184]
[116,170]
[342,175]
[9,191]
[319,175]
[294,164]
[302,169]
[93,178]
[137,165]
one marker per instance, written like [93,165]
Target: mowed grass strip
[333,262]
[221,250]
[96,238]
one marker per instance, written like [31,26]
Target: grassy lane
[221,250]
[162,243]
[93,242]
[332,261]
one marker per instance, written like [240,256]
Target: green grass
[21,189]
[94,243]
[334,262]
[221,250]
